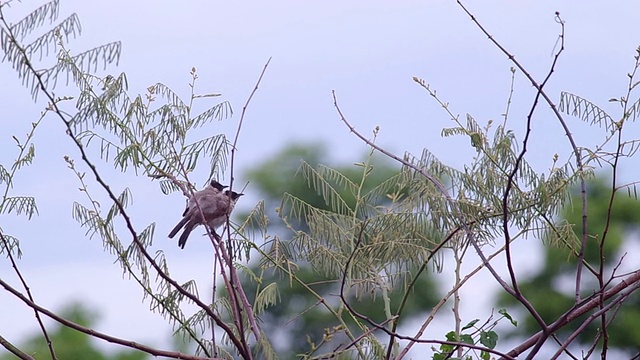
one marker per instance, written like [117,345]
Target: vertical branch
[614,188]
[506,112]
[189,193]
[456,295]
[213,301]
[567,131]
[235,281]
[516,168]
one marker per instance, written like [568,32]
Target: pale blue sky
[367,51]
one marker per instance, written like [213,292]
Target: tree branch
[14,350]
[26,288]
[97,334]
[631,281]
[235,281]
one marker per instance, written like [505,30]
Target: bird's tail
[178,227]
[185,234]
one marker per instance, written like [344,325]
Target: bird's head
[217,185]
[232,194]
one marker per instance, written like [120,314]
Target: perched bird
[215,205]
[213,186]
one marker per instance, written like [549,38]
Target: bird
[213,187]
[216,206]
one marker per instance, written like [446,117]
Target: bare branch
[235,281]
[26,288]
[510,183]
[14,350]
[97,334]
[630,282]
[576,151]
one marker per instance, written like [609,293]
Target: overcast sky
[367,52]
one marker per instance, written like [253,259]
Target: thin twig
[234,275]
[506,112]
[97,334]
[214,347]
[510,184]
[14,350]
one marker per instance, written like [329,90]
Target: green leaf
[504,313]
[467,339]
[470,324]
[452,336]
[489,339]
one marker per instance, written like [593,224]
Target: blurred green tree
[297,312]
[70,344]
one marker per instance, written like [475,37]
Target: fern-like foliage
[613,146]
[17,204]
[383,238]
[21,55]
[136,136]
[148,134]
[585,110]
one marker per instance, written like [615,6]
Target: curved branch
[97,334]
